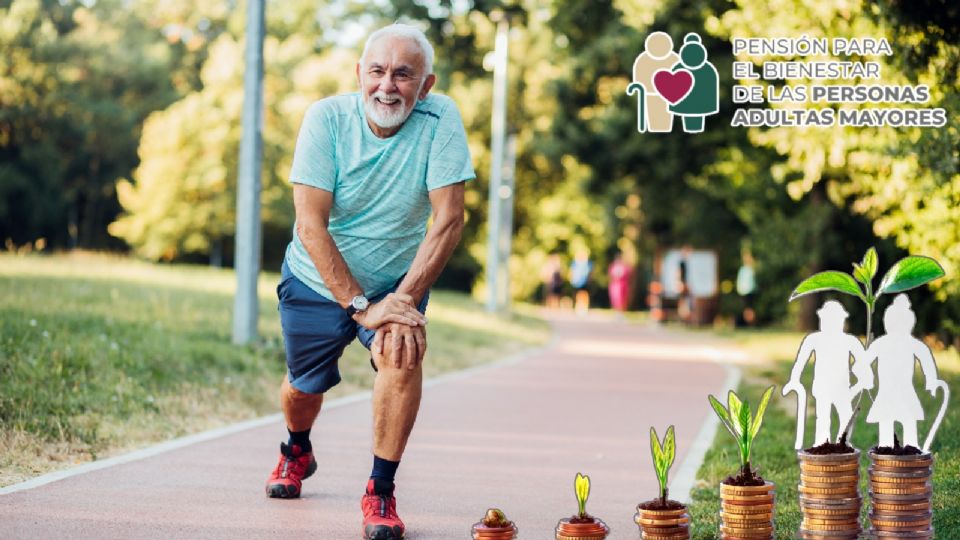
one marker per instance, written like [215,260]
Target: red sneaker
[287,477]
[380,519]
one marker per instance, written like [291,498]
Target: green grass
[100,354]
[774,455]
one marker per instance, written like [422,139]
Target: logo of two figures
[670,84]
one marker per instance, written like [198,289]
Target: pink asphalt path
[511,436]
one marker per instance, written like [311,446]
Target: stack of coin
[746,512]
[593,530]
[830,496]
[900,493]
[663,524]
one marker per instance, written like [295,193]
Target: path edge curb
[276,418]
[686,475]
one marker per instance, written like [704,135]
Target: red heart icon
[673,85]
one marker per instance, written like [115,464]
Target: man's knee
[386,365]
[293,394]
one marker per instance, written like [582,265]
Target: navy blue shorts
[316,331]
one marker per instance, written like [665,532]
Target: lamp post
[247,253]
[498,131]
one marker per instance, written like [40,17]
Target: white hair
[403,31]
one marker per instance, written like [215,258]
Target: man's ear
[357,71]
[427,85]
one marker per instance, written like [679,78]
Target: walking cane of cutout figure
[896,353]
[831,390]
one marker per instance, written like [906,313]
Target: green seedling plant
[736,417]
[582,487]
[907,273]
[663,456]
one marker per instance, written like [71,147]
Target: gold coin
[848,486]
[762,516]
[885,507]
[846,516]
[678,512]
[832,468]
[747,532]
[912,535]
[902,464]
[830,479]
[746,508]
[831,520]
[746,490]
[901,480]
[747,499]
[829,535]
[806,457]
[734,524]
[652,536]
[661,522]
[843,526]
[725,536]
[810,491]
[905,490]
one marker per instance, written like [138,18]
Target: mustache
[379,94]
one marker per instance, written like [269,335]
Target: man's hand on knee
[400,345]
[394,308]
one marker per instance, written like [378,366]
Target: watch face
[360,303]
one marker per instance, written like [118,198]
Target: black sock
[301,439]
[383,475]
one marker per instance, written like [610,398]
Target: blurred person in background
[580,270]
[620,274]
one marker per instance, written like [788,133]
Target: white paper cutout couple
[684,84]
[895,352]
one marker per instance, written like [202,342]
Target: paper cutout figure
[896,352]
[653,114]
[831,388]
[704,97]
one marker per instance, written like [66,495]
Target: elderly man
[367,170]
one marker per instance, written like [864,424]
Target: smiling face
[392,78]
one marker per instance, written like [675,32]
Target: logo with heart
[669,85]
[673,86]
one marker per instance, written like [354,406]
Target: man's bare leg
[296,456]
[299,408]
[396,401]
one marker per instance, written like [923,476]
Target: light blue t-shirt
[380,202]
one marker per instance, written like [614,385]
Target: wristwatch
[359,304]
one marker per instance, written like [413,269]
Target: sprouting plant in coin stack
[582,487]
[907,273]
[663,456]
[495,518]
[736,417]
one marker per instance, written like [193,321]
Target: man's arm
[439,243]
[312,206]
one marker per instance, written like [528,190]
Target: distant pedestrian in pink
[620,273]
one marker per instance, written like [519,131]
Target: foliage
[907,273]
[736,417]
[904,180]
[76,83]
[663,456]
[581,486]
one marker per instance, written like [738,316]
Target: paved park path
[512,435]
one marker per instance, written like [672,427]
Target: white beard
[387,116]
